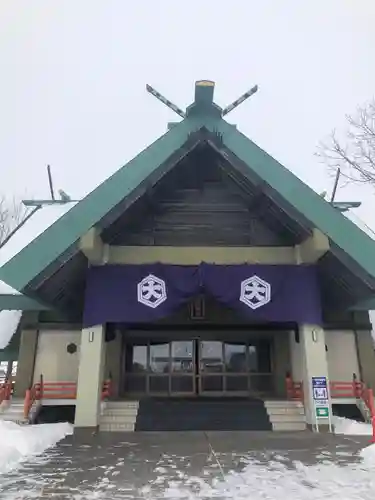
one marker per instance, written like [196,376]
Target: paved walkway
[142,465]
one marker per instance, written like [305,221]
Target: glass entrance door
[211,367]
[183,367]
[234,368]
[197,367]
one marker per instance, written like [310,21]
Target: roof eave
[13,302]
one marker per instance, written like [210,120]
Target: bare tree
[12,213]
[355,153]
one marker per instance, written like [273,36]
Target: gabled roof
[12,302]
[40,220]
[203,113]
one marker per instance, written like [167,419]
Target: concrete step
[105,419]
[269,403]
[116,427]
[121,404]
[286,415]
[287,418]
[285,411]
[121,412]
[118,416]
[13,409]
[289,426]
[13,417]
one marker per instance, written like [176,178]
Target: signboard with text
[321,397]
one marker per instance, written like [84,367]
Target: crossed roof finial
[204,90]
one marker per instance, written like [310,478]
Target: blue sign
[320,389]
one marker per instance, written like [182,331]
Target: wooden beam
[91,245]
[195,255]
[313,248]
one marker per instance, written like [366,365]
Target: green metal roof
[9,302]
[51,244]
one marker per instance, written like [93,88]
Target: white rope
[212,452]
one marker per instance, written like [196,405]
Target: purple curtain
[137,294]
[145,293]
[265,292]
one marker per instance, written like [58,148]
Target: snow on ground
[277,480]
[351,427]
[18,442]
[280,468]
[274,479]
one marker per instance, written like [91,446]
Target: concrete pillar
[90,377]
[26,362]
[113,359]
[314,364]
[366,357]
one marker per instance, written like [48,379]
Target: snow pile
[21,441]
[351,427]
[9,321]
[368,456]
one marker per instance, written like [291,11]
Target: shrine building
[201,286]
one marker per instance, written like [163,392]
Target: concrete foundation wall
[53,360]
[342,355]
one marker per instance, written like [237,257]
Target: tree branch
[12,213]
[355,155]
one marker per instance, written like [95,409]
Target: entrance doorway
[196,367]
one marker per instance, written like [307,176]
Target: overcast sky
[73,76]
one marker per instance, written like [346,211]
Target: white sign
[255,292]
[321,401]
[320,393]
[151,291]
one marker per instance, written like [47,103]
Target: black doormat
[202,414]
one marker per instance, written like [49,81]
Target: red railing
[367,396]
[5,391]
[57,390]
[294,390]
[343,389]
[107,389]
[339,390]
[33,394]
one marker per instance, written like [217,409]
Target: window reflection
[253,358]
[159,358]
[211,356]
[182,356]
[235,358]
[138,361]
